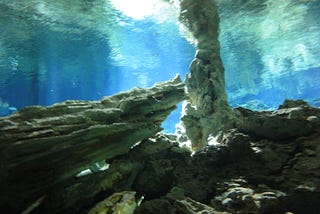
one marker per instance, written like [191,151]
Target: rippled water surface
[54,50]
[51,51]
[271,51]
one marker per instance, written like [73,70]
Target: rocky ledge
[268,163]
[42,148]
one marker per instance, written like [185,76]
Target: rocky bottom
[270,163]
[239,173]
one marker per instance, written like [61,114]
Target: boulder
[293,119]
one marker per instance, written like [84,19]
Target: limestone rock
[189,206]
[118,203]
[48,145]
[238,174]
[275,174]
[236,196]
[208,111]
[293,119]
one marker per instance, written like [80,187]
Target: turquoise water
[52,51]
[271,51]
[55,51]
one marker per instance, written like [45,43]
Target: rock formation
[243,162]
[43,147]
[239,173]
[208,111]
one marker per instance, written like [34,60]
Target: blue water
[52,51]
[271,51]
[56,65]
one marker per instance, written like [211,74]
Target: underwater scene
[160,106]
[52,52]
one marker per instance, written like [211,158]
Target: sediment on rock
[208,111]
[293,119]
[242,173]
[239,173]
[42,147]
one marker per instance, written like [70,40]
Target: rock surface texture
[43,147]
[244,161]
[208,111]
[270,163]
[241,172]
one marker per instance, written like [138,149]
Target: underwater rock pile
[109,156]
[270,163]
[44,147]
[240,173]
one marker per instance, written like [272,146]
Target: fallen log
[41,147]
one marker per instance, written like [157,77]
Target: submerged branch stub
[43,146]
[208,111]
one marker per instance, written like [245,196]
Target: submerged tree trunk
[208,111]
[42,147]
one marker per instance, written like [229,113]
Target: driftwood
[42,147]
